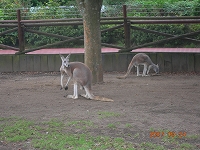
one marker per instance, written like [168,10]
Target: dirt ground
[167,102]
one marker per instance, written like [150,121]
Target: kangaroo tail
[104,99]
[97,98]
[127,73]
[89,95]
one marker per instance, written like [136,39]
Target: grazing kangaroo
[141,59]
[81,75]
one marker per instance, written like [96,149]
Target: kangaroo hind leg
[75,96]
[61,80]
[138,71]
[87,94]
[145,71]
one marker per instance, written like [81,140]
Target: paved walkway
[105,50]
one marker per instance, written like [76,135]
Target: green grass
[151,146]
[81,124]
[53,135]
[186,146]
[106,114]
[2,119]
[112,125]
[17,131]
[128,125]
[136,135]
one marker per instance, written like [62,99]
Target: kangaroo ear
[61,56]
[68,56]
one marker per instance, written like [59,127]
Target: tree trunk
[90,10]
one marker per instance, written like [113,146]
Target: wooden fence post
[20,32]
[126,28]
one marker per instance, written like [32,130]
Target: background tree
[90,10]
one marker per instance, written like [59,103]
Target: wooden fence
[127,23]
[168,62]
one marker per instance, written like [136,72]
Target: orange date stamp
[170,134]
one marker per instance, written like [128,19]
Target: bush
[140,37]
[163,8]
[112,37]
[68,31]
[181,8]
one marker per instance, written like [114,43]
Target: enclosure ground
[168,103]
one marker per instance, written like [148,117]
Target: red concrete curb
[105,50]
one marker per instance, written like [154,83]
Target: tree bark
[90,10]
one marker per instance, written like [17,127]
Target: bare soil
[168,102]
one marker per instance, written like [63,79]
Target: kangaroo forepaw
[66,88]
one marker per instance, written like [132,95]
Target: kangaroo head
[156,68]
[65,60]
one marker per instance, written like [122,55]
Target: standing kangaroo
[81,75]
[141,59]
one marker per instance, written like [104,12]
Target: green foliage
[68,31]
[181,8]
[9,7]
[9,39]
[1,14]
[112,37]
[9,4]
[163,8]
[140,37]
